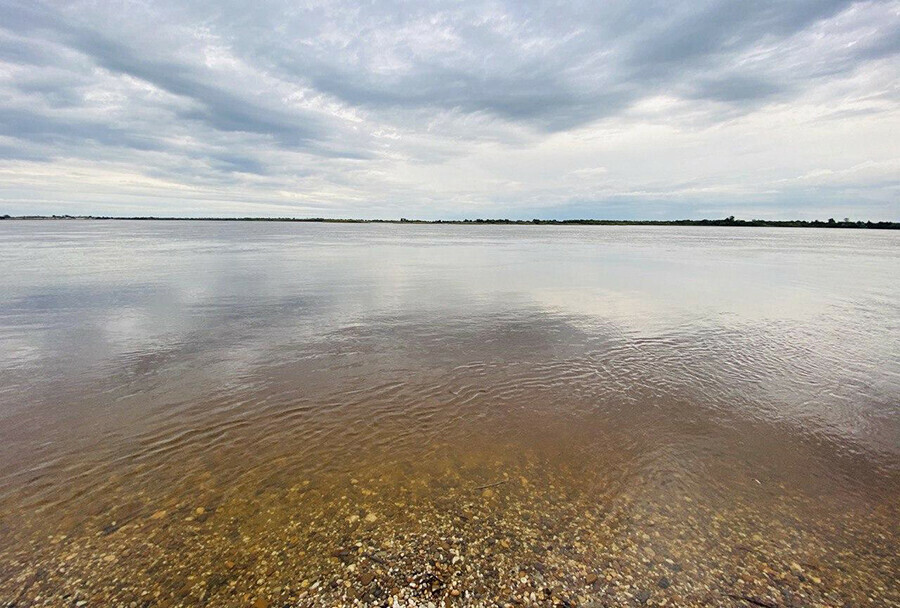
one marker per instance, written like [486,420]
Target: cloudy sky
[614,109]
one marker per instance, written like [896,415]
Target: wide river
[280,414]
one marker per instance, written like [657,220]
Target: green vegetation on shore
[728,221]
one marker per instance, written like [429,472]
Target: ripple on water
[494,419]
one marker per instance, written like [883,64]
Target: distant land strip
[728,221]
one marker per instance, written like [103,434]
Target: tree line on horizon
[728,221]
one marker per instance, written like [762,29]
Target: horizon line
[728,221]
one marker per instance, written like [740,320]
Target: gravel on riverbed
[503,534]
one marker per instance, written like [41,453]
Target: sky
[504,109]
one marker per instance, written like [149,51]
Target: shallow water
[325,414]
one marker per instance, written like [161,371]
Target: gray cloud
[33,127]
[442,108]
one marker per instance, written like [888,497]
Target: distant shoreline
[729,221]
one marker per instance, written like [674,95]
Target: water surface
[324,414]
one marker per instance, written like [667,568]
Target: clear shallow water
[177,397]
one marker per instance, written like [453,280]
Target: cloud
[445,109]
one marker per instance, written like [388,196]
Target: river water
[270,414]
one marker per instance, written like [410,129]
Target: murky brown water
[248,414]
